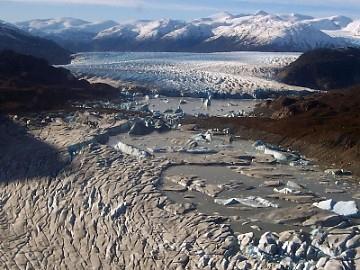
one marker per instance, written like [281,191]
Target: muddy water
[241,217]
[193,106]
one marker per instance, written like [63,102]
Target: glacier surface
[230,74]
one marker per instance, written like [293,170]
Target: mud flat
[72,199]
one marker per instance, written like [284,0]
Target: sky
[129,10]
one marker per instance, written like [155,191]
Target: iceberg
[343,208]
[252,201]
[278,153]
[130,150]
[281,155]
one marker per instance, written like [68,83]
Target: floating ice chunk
[201,150]
[208,136]
[252,201]
[287,191]
[157,150]
[325,205]
[257,202]
[294,186]
[227,201]
[207,103]
[344,208]
[300,162]
[278,153]
[130,150]
[260,145]
[281,155]
[202,137]
[348,208]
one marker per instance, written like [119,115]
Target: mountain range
[21,41]
[221,32]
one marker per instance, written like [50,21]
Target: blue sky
[128,10]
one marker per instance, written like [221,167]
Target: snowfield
[224,32]
[233,74]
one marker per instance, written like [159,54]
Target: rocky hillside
[325,69]
[322,126]
[30,83]
[22,70]
[338,103]
[12,38]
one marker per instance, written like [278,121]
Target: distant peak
[261,13]
[72,19]
[222,15]
[302,16]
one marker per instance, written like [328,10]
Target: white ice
[237,74]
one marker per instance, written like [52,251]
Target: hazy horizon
[130,10]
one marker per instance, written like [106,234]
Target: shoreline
[300,139]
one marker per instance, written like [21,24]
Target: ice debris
[200,150]
[202,137]
[344,208]
[340,172]
[278,153]
[130,150]
[252,201]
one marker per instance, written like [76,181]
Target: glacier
[229,74]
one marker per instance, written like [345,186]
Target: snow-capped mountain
[73,34]
[12,38]
[270,32]
[220,32]
[354,28]
[295,17]
[142,30]
[63,25]
[330,23]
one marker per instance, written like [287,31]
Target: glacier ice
[232,74]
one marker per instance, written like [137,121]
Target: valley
[230,141]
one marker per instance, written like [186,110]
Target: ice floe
[128,149]
[344,208]
[252,201]
[279,154]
